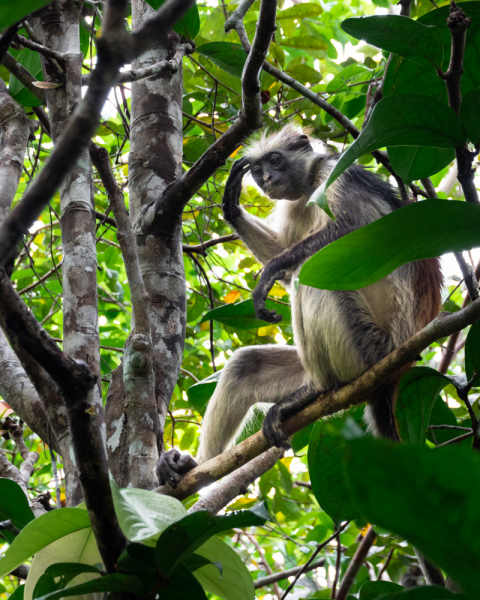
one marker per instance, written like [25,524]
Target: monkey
[338,335]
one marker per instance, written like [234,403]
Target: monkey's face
[280,176]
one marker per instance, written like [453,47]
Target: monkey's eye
[257,171]
[275,160]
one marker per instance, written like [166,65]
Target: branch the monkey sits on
[338,334]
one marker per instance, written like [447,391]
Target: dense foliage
[336,477]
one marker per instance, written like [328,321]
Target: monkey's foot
[272,428]
[172,465]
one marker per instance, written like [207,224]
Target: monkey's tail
[380,412]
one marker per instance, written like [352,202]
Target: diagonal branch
[328,403]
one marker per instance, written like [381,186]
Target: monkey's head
[281,164]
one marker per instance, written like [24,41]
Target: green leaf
[386,482]
[77,547]
[188,25]
[418,391]
[472,353]
[31,61]
[306,10]
[182,538]
[277,53]
[427,592]
[143,514]
[404,76]
[241,315]
[41,532]
[346,76]
[14,504]
[418,162]
[399,35]
[182,585]
[61,569]
[15,10]
[196,561]
[200,393]
[442,414]
[226,55]
[18,594]
[305,42]
[470,115]
[235,583]
[326,458]
[418,121]
[304,73]
[373,589]
[107,583]
[420,230]
[301,438]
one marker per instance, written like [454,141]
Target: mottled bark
[134,432]
[155,161]
[23,383]
[57,27]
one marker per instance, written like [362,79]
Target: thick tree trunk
[57,27]
[155,161]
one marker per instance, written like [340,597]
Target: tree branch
[76,385]
[263,581]
[458,23]
[355,564]
[114,48]
[235,484]
[158,215]
[23,76]
[329,402]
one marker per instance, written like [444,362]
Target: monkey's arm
[261,240]
[291,259]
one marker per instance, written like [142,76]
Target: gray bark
[155,161]
[57,27]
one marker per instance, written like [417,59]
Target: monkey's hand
[172,465]
[260,293]
[272,427]
[233,189]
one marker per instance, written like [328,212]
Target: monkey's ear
[302,144]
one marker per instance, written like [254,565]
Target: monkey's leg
[254,374]
[272,426]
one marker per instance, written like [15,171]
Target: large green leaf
[14,504]
[241,315]
[182,585]
[426,592]
[470,115]
[305,10]
[418,162]
[200,393]
[226,55]
[421,230]
[404,76]
[472,353]
[15,10]
[235,581]
[143,514]
[77,547]
[188,25]
[429,497]
[326,459]
[31,61]
[107,583]
[407,120]
[41,532]
[305,42]
[373,589]
[418,391]
[184,537]
[400,35]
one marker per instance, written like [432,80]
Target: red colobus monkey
[338,334]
